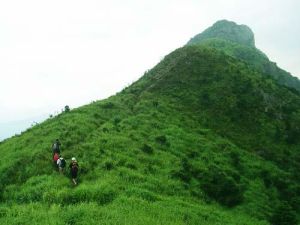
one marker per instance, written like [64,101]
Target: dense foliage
[227,30]
[238,42]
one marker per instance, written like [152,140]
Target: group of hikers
[60,163]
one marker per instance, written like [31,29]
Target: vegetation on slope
[202,138]
[132,152]
[226,30]
[238,42]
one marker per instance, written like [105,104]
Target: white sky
[69,52]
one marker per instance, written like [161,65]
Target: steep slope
[133,152]
[202,138]
[238,41]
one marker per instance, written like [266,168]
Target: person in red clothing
[55,158]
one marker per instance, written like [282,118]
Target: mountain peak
[227,30]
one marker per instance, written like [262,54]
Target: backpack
[74,167]
[54,146]
[62,163]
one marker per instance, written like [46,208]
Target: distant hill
[205,137]
[11,128]
[238,41]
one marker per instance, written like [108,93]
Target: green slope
[226,30]
[238,41]
[202,138]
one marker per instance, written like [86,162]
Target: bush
[222,186]
[266,177]
[116,121]
[236,160]
[108,105]
[131,165]
[67,108]
[161,140]
[155,104]
[186,171]
[108,165]
[284,215]
[147,149]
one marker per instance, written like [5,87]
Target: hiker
[61,164]
[74,170]
[55,158]
[56,147]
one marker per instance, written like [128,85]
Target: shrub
[155,104]
[131,165]
[108,105]
[116,120]
[192,154]
[236,159]
[161,139]
[67,108]
[222,186]
[67,143]
[284,215]
[147,149]
[185,172]
[108,165]
[266,177]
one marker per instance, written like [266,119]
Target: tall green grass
[160,152]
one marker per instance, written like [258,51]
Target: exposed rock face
[227,30]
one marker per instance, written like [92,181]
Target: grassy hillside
[238,42]
[131,163]
[202,138]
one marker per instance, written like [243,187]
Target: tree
[284,215]
[67,108]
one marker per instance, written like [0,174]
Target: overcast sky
[67,52]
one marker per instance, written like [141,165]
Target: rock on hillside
[227,30]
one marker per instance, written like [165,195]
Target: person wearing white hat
[61,164]
[74,170]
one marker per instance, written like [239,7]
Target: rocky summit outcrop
[238,41]
[227,30]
